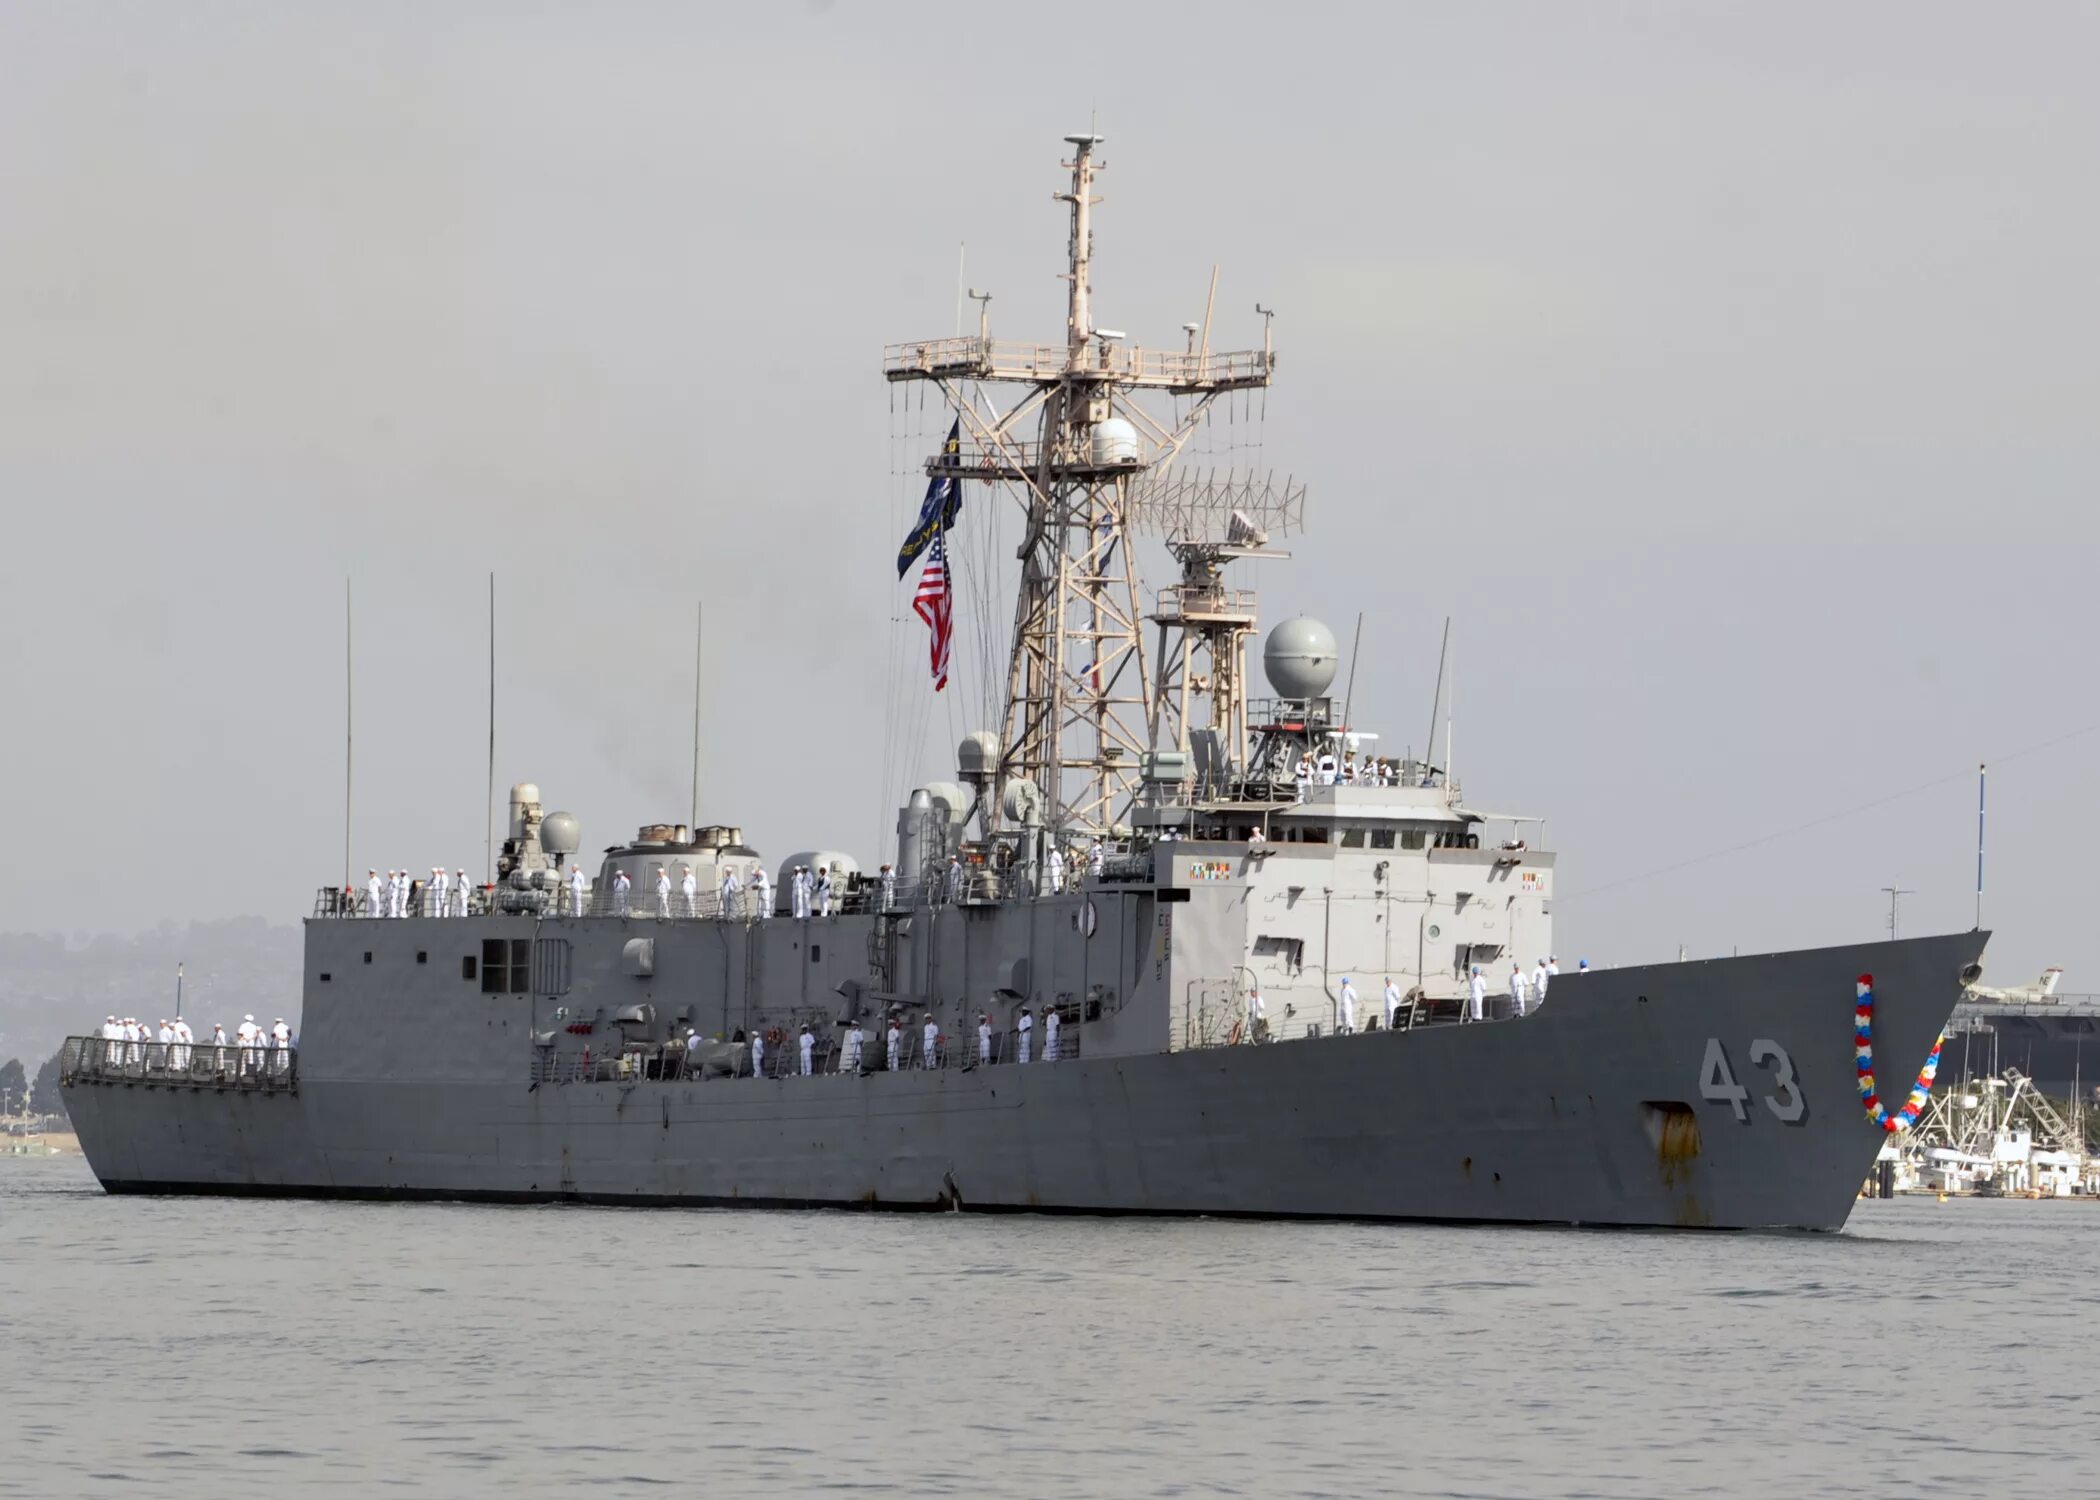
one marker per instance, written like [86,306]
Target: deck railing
[93,1059]
[671,1063]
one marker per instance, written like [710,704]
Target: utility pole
[1895,893]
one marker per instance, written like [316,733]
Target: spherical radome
[1300,658]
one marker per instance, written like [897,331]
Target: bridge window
[1381,838]
[1412,838]
[1352,838]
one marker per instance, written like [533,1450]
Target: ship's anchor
[1863,1050]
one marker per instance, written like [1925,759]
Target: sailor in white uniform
[798,891]
[1552,966]
[249,1035]
[281,1046]
[1327,769]
[984,1038]
[1303,776]
[372,908]
[441,892]
[166,1037]
[1516,990]
[731,886]
[856,1039]
[112,1036]
[1392,1002]
[762,894]
[895,1039]
[1478,1009]
[460,892]
[889,888]
[1052,1022]
[1257,1013]
[576,890]
[1026,1027]
[400,907]
[184,1037]
[955,878]
[621,886]
[663,891]
[809,1052]
[824,891]
[1348,1004]
[689,888]
[1057,870]
[1096,860]
[1539,978]
[218,1048]
[931,1033]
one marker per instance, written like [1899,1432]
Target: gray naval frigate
[1134,958]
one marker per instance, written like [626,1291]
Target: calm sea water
[187,1347]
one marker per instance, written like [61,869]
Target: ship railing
[334,902]
[669,1062]
[94,1059]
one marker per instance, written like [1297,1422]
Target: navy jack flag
[943,503]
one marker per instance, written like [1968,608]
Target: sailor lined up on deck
[932,1038]
[1052,1021]
[984,1037]
[856,1040]
[1026,1027]
[575,890]
[895,1040]
[809,1048]
[621,886]
[1096,860]
[762,894]
[663,891]
[1516,990]
[1347,1002]
[1392,1001]
[758,1053]
[1539,977]
[689,888]
[889,887]
[729,888]
[1478,1009]
[1057,870]
[824,891]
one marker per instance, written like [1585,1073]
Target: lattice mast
[1080,705]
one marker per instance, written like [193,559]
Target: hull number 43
[1717,1083]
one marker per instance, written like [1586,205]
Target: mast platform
[1173,370]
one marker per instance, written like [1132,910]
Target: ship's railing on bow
[94,1059]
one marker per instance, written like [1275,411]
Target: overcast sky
[1727,371]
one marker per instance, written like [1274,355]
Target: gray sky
[1727,372]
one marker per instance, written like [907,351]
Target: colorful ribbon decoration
[1863,1050]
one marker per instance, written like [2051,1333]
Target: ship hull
[1602,1109]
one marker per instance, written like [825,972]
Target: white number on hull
[1717,1083]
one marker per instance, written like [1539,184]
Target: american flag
[935,604]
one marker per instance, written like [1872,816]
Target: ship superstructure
[1161,945]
